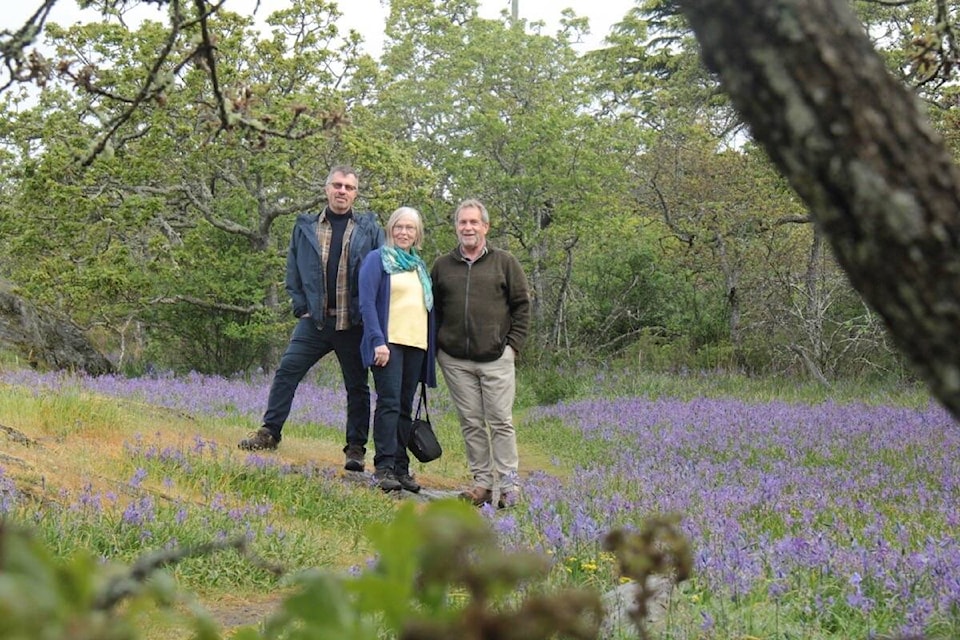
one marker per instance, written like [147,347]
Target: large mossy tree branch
[856,146]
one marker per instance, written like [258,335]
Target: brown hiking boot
[478,496]
[354,457]
[261,439]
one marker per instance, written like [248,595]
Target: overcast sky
[367,16]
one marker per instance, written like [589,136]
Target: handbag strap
[422,402]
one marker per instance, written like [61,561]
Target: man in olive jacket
[323,265]
[483,315]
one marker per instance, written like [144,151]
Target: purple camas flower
[174,456]
[780,500]
[855,597]
[260,462]
[555,537]
[88,501]
[140,511]
[506,527]
[138,478]
[707,622]
[774,493]
[777,588]
[219,503]
[213,396]
[8,493]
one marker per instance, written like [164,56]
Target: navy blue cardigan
[374,308]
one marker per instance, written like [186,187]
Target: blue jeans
[396,385]
[308,344]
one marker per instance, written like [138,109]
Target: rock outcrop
[46,339]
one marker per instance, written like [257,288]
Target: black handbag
[423,442]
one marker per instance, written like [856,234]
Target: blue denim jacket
[306,283]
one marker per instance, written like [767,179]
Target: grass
[813,512]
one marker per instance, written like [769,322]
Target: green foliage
[432,570]
[42,596]
[549,381]
[498,112]
[620,288]
[651,68]
[620,178]
[566,444]
[178,234]
[439,573]
[71,411]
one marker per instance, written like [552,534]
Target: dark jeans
[307,345]
[396,385]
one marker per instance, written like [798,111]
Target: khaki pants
[483,393]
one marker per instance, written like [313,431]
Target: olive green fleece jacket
[481,306]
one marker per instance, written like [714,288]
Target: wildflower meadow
[822,517]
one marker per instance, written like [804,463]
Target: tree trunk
[271,355]
[816,302]
[855,145]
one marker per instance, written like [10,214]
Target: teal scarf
[397,260]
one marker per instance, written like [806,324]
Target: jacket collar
[462,258]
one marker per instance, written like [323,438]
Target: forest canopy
[151,173]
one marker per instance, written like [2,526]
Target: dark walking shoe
[478,496]
[408,482]
[387,480]
[354,453]
[261,439]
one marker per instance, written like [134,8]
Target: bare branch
[145,91]
[206,304]
[12,46]
[132,582]
[793,220]
[206,50]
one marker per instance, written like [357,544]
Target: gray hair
[392,222]
[345,169]
[472,203]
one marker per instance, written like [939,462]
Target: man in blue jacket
[323,264]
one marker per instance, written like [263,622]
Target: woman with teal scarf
[399,341]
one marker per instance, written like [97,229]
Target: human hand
[381,355]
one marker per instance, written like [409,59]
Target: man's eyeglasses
[342,185]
